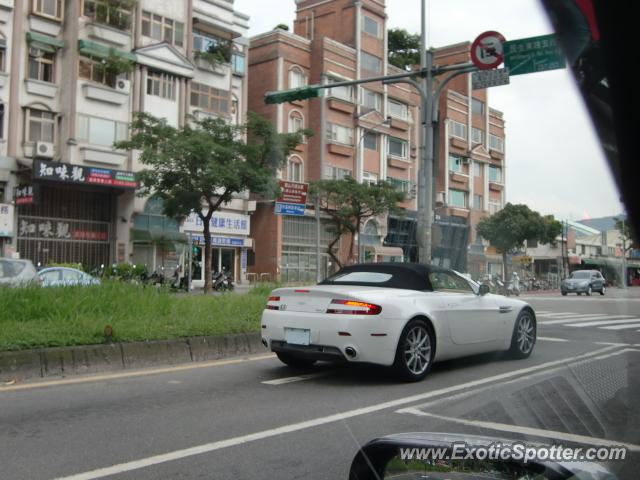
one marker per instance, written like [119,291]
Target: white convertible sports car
[403,315]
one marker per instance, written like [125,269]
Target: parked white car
[16,272]
[403,315]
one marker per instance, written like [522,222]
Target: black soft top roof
[408,276]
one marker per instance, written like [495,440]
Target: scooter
[222,282]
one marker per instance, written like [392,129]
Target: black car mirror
[483,289]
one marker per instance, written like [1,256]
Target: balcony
[105,94]
[399,124]
[398,162]
[496,186]
[459,178]
[496,155]
[91,154]
[341,149]
[108,34]
[458,143]
[341,105]
[43,89]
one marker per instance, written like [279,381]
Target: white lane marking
[136,373]
[475,391]
[617,344]
[621,327]
[558,315]
[294,427]
[299,378]
[599,317]
[553,339]
[601,323]
[536,432]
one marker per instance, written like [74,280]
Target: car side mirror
[483,289]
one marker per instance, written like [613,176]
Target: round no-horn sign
[487,50]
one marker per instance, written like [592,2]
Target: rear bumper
[309,352]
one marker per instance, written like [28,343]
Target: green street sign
[291,95]
[533,54]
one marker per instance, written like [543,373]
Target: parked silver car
[15,272]
[64,277]
[584,281]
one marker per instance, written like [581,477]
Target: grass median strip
[54,317]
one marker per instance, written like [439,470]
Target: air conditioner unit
[44,150]
[440,198]
[35,52]
[123,85]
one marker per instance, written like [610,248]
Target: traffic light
[290,95]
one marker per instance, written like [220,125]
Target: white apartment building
[72,73]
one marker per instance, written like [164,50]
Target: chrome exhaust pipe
[351,352]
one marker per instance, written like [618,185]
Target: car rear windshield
[9,269]
[357,277]
[581,275]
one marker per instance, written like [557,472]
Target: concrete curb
[63,361]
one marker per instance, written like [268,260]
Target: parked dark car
[584,281]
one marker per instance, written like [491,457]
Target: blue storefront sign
[220,241]
[289,209]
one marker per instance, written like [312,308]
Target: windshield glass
[10,269]
[579,275]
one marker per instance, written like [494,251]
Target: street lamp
[386,122]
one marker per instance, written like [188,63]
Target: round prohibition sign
[487,50]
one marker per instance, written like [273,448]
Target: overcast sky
[554,162]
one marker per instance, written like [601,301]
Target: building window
[101,131]
[297,78]
[1,120]
[337,173]
[41,65]
[238,63]
[370,141]
[3,53]
[161,85]
[294,170]
[401,185]
[371,63]
[458,130]
[207,43]
[162,28]
[370,26]
[397,147]
[107,12]
[495,174]
[344,92]
[477,169]
[496,143]
[209,98]
[477,106]
[296,124]
[369,178]
[477,202]
[455,164]
[91,69]
[398,109]
[476,135]
[340,134]
[41,126]
[48,8]
[494,207]
[371,100]
[458,198]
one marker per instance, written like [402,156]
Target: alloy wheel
[417,350]
[526,333]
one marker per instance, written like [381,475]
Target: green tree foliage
[626,233]
[349,204]
[282,26]
[404,48]
[200,166]
[508,229]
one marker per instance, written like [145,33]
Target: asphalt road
[220,420]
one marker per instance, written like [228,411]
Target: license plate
[297,336]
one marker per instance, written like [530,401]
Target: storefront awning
[93,49]
[44,42]
[138,235]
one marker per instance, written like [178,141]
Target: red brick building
[369,132]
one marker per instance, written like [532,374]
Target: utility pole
[624,254]
[425,175]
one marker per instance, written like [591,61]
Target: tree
[282,26]
[626,233]
[404,48]
[349,204]
[200,166]
[508,229]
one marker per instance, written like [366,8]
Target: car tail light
[353,307]
[270,302]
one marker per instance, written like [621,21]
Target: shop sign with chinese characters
[38,228]
[67,173]
[221,222]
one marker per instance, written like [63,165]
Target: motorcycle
[222,282]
